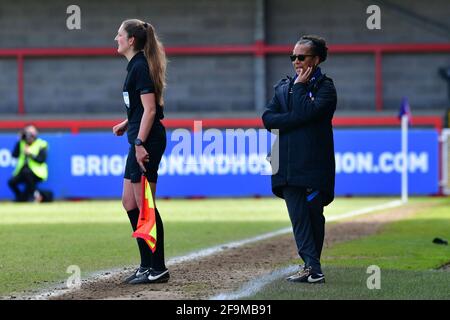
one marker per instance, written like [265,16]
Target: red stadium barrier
[76,125]
[258,49]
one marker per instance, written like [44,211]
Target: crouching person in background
[31,167]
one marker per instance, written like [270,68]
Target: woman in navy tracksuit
[143,98]
[302,110]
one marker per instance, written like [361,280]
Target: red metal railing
[76,125]
[258,49]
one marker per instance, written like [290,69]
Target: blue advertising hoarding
[369,162]
[91,165]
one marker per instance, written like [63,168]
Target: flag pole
[404,120]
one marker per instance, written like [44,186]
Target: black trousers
[29,179]
[308,224]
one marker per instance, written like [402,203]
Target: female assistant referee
[143,96]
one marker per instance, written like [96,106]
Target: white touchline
[383,206]
[103,275]
[254,286]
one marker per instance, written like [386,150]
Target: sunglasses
[301,57]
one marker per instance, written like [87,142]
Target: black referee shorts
[155,147]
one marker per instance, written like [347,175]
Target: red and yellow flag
[146,228]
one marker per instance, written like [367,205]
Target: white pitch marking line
[254,286]
[384,206]
[61,290]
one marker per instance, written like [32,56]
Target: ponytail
[157,62]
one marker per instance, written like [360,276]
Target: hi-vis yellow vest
[39,169]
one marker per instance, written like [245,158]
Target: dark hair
[147,40]
[25,134]
[317,44]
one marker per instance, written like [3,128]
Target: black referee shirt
[138,82]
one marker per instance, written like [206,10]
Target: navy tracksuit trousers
[308,224]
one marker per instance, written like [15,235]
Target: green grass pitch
[39,241]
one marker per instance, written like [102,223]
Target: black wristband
[138,142]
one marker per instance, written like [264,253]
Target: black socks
[144,250]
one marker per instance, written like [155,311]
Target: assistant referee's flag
[146,228]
